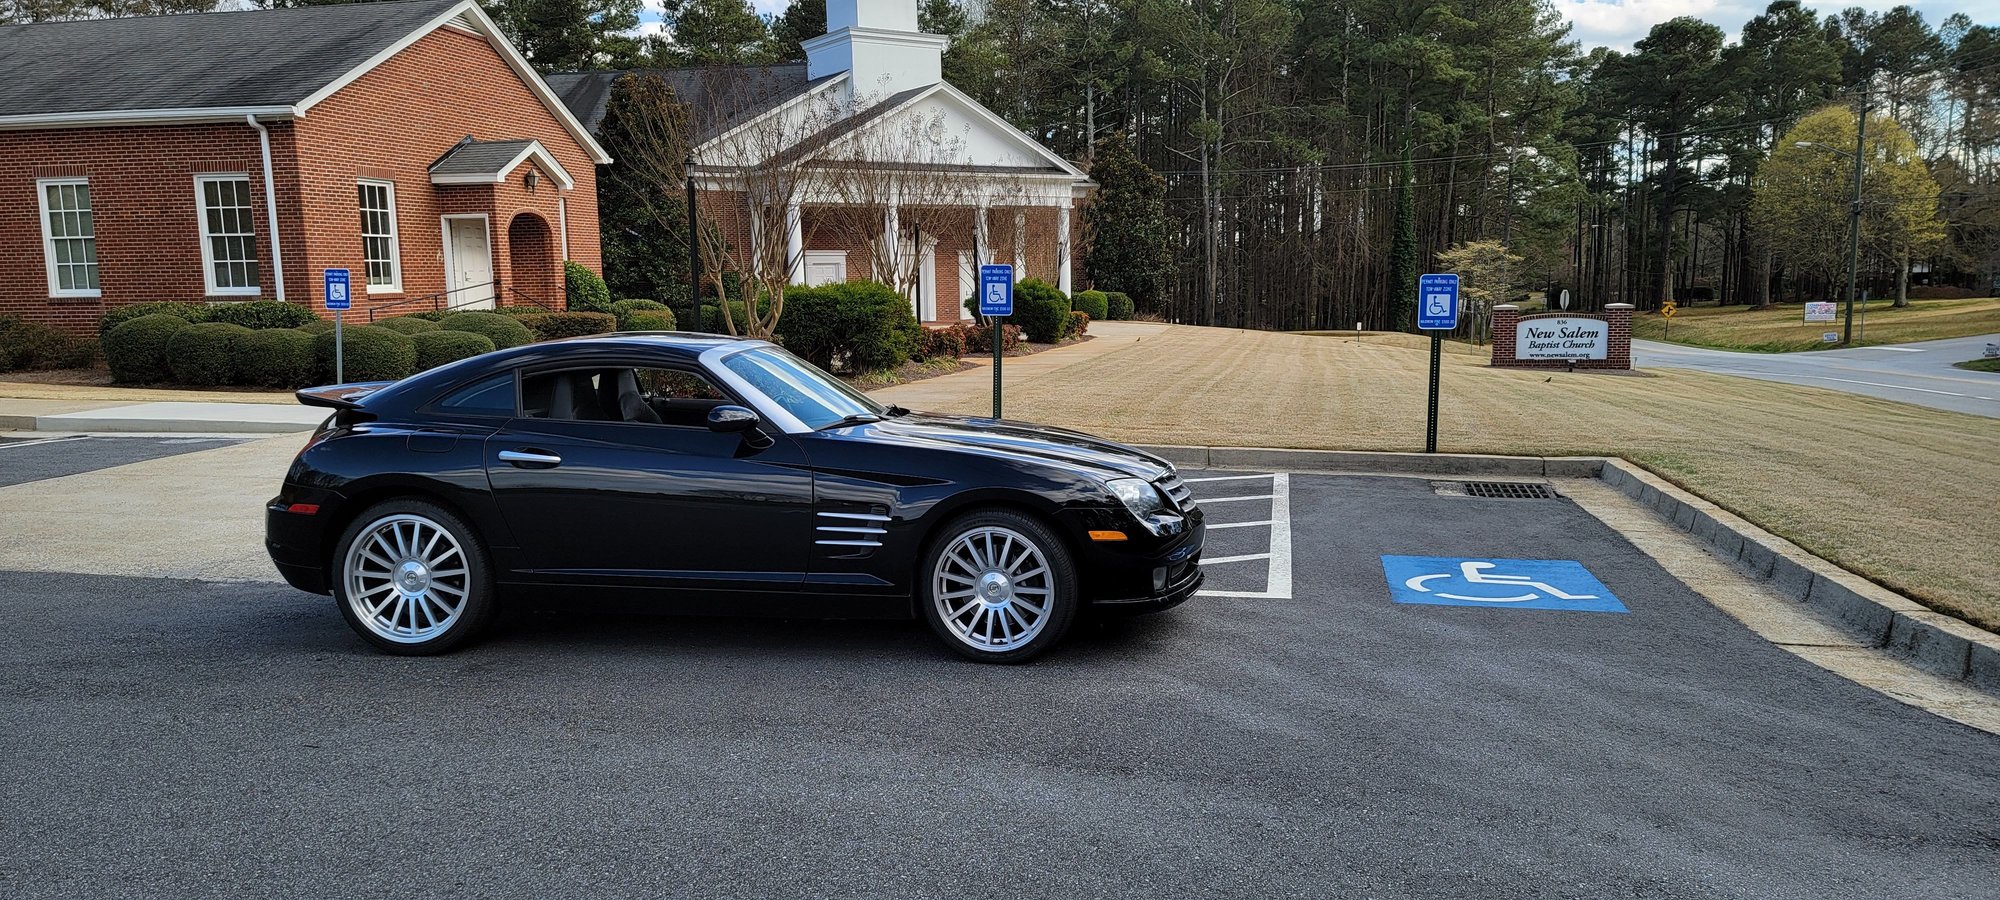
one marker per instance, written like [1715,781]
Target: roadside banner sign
[1820,312]
[1831,337]
[337,293]
[1437,302]
[1559,584]
[996,290]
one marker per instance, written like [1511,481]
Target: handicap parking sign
[1505,583]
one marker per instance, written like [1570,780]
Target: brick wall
[1618,349]
[390,124]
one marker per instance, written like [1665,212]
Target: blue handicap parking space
[1509,583]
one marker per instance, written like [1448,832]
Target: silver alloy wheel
[993,588]
[406,578]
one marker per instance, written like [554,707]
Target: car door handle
[531,459]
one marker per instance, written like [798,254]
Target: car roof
[677,346]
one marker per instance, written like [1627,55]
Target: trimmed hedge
[941,343]
[259,314]
[408,324]
[979,338]
[119,315]
[435,348]
[275,357]
[1118,306]
[862,325]
[32,345]
[204,354]
[503,331]
[551,326]
[373,353]
[323,326]
[624,309]
[136,351]
[428,315]
[1041,311]
[1096,303]
[648,321]
[584,290]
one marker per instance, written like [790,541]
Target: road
[1296,734]
[1919,373]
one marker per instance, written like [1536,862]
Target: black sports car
[715,469]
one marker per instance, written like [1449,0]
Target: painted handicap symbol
[1502,583]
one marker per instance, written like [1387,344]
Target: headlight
[1144,502]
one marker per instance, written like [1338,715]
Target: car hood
[1021,440]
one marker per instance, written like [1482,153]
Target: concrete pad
[195,515]
[20,415]
[234,418]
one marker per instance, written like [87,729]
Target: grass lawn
[1783,328]
[1980,365]
[1903,494]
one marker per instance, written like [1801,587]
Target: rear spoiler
[340,396]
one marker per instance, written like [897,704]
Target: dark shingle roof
[479,157]
[719,96]
[273,57]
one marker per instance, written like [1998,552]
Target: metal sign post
[996,302]
[1437,312]
[339,299]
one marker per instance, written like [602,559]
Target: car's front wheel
[412,578]
[999,587]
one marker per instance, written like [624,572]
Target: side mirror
[730,419]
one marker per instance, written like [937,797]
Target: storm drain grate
[1497,490]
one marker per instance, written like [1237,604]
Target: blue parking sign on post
[1437,302]
[996,290]
[339,297]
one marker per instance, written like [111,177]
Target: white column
[795,244]
[982,238]
[1020,244]
[1062,247]
[891,252]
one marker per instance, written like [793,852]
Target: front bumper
[1152,582]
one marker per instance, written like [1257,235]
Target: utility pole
[1854,218]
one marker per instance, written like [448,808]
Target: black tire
[398,517]
[963,633]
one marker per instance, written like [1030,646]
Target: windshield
[800,388]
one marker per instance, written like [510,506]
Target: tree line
[1297,162]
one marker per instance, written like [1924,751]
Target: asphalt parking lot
[34,458]
[1309,738]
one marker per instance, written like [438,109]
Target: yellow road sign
[1668,309]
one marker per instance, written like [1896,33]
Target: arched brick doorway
[533,269]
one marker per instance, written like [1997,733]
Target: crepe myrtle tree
[752,175]
[1487,274]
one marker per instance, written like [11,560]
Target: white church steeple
[877,41]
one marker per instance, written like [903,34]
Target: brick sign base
[1618,351]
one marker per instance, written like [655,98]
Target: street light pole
[1854,220]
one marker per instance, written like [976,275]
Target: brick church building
[236,155]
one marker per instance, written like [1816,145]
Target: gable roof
[215,66]
[718,96]
[489,162]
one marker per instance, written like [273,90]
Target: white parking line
[1278,575]
[1221,478]
[1206,501]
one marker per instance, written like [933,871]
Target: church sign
[1564,337]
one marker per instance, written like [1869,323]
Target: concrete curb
[1927,639]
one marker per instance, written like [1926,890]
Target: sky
[1616,23]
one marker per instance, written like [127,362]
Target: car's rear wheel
[412,578]
[998,587]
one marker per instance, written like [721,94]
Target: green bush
[119,315]
[1079,322]
[1096,303]
[979,338]
[584,290]
[259,314]
[32,346]
[275,357]
[503,331]
[624,309]
[941,343]
[711,316]
[647,321]
[551,326]
[1118,306]
[408,324]
[435,348]
[204,354]
[323,326]
[1041,311]
[861,325]
[429,315]
[373,353]
[519,312]
[136,350]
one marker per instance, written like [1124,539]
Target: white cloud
[1620,23]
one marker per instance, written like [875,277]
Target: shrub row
[551,326]
[253,314]
[163,347]
[31,345]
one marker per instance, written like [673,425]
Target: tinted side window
[487,397]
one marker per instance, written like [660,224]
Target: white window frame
[395,285]
[207,255]
[42,186]
[822,257]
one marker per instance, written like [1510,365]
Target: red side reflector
[304,509]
